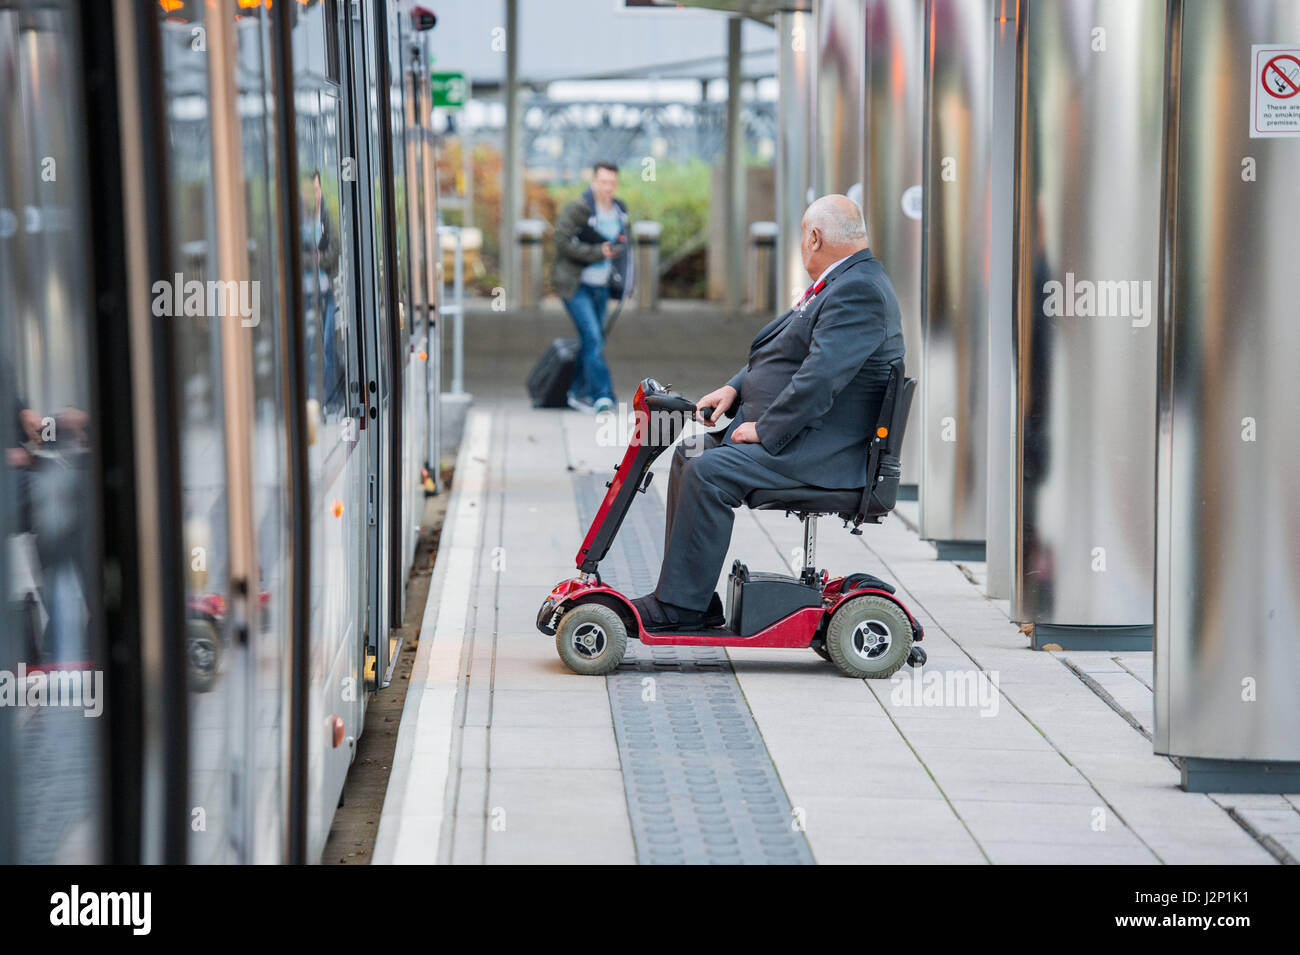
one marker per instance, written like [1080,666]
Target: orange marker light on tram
[337,509]
[882,432]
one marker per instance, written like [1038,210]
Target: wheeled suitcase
[549,381]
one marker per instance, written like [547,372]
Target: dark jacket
[816,377]
[328,245]
[572,255]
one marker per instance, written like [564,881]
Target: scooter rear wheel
[591,639]
[869,637]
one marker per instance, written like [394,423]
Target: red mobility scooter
[856,622]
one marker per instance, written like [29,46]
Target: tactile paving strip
[701,787]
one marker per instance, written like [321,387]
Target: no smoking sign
[1274,89]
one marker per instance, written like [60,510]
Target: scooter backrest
[883,464]
[895,409]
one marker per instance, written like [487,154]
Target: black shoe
[658,616]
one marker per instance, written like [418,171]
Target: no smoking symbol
[1281,76]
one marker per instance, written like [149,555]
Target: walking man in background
[591,260]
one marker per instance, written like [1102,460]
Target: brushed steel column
[894,107]
[796,138]
[1087,239]
[1227,677]
[955,276]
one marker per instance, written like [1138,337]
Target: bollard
[646,268]
[762,266]
[453,235]
[529,234]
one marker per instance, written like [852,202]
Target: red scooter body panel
[795,632]
[622,474]
[615,485]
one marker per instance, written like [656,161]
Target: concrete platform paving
[991,753]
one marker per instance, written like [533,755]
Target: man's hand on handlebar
[715,403]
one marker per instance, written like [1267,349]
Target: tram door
[356,233]
[225,234]
[395,332]
[51,525]
[422,282]
[370,281]
[427,282]
[337,455]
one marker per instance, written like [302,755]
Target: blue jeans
[587,309]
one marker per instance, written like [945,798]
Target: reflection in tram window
[237,680]
[198,351]
[50,743]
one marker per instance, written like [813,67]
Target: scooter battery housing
[755,601]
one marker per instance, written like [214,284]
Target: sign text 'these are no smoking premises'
[1275,91]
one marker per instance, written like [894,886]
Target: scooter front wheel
[591,639]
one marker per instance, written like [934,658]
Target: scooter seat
[807,500]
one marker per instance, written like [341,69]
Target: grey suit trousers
[709,479]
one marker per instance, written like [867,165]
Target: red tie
[811,292]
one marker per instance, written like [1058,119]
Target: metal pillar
[954,405]
[512,171]
[795,145]
[892,146]
[1227,662]
[841,66]
[734,200]
[999,516]
[1087,242]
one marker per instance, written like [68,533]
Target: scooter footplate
[721,633]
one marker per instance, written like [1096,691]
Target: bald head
[833,228]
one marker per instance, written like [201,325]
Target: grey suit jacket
[816,377]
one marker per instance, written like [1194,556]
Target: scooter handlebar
[662,398]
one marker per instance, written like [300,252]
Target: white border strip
[410,825]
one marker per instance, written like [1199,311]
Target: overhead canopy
[762,9]
[595,39]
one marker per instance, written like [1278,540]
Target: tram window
[332,40]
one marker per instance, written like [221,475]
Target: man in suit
[804,407]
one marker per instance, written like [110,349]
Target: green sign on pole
[449,89]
